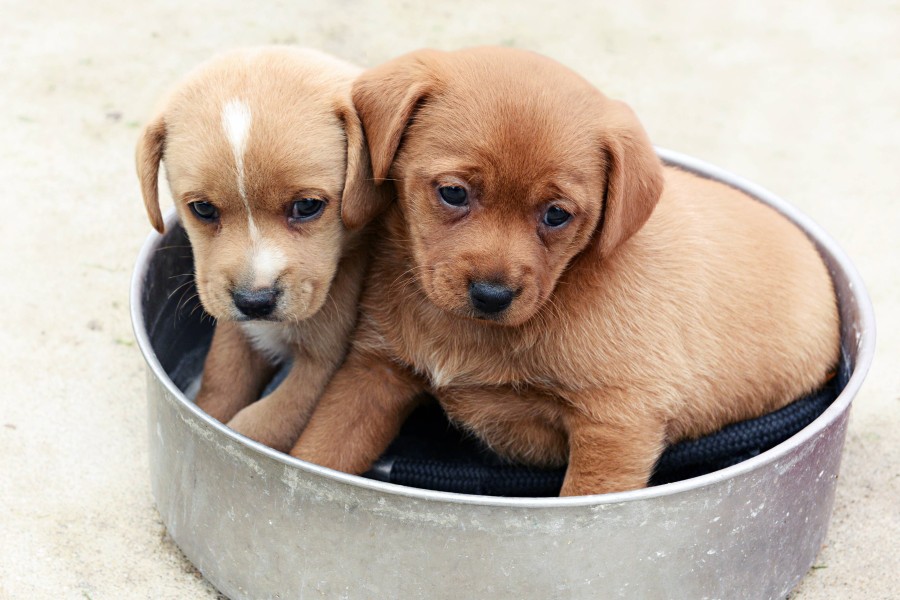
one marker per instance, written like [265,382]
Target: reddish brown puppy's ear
[634,178]
[147,157]
[361,200]
[385,99]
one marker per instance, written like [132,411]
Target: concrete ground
[801,97]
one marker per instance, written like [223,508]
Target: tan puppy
[261,147]
[563,295]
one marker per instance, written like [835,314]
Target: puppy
[565,296]
[261,148]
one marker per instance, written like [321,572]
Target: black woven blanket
[431,453]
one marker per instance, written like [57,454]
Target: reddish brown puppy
[565,296]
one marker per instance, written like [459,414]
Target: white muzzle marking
[268,262]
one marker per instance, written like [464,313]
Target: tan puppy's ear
[385,99]
[148,156]
[634,178]
[361,199]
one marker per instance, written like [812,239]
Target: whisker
[180,286]
[183,302]
[181,275]
[172,247]
[406,277]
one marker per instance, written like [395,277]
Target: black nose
[490,297]
[256,304]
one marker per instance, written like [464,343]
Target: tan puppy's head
[261,147]
[507,166]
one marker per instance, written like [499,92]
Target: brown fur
[304,140]
[668,306]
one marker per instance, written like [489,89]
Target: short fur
[250,132]
[668,306]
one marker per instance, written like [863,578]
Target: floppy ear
[361,200]
[148,156]
[385,99]
[634,178]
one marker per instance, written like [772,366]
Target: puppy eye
[454,195]
[306,209]
[204,211]
[556,217]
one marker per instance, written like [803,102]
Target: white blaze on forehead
[236,118]
[267,261]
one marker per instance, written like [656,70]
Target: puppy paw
[214,405]
[258,422]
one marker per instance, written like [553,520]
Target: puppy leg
[521,425]
[612,453]
[361,412]
[278,419]
[234,374]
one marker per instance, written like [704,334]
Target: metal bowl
[260,524]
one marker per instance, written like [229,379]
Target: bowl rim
[865,343]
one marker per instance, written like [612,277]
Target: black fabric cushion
[432,453]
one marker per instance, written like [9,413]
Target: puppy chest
[454,365]
[275,341]
[462,354]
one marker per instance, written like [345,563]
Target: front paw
[258,422]
[215,405]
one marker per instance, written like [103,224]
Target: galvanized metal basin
[260,524]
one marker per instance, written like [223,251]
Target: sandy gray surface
[801,97]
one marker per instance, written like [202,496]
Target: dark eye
[306,209]
[454,195]
[556,217]
[204,211]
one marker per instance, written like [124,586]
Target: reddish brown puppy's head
[507,166]
[261,146]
